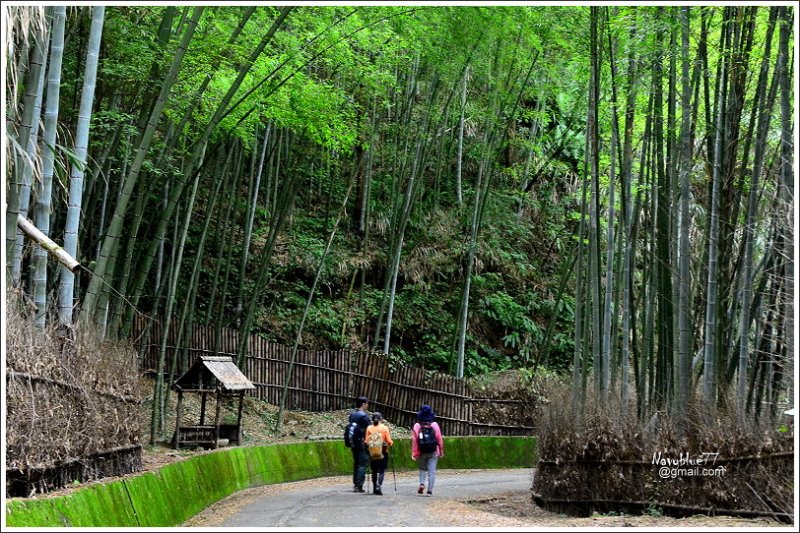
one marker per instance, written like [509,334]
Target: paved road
[330,502]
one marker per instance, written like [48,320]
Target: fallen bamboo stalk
[27,227]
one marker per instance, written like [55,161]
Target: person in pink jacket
[427,446]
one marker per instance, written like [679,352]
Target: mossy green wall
[180,490]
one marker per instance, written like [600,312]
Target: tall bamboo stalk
[34,91]
[684,255]
[710,337]
[48,149]
[67,286]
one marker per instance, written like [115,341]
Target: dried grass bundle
[602,460]
[69,394]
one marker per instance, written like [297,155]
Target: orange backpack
[375,446]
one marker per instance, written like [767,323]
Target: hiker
[427,446]
[360,421]
[378,441]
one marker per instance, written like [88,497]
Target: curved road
[331,502]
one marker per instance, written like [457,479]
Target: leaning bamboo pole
[28,228]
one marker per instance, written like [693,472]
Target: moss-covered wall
[180,490]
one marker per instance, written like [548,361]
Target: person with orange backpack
[427,447]
[378,441]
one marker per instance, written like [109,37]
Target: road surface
[331,502]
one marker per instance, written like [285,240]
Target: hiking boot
[358,488]
[421,488]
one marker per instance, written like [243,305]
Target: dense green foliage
[333,85]
[277,117]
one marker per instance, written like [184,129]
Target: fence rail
[325,380]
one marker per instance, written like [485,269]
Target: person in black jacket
[359,449]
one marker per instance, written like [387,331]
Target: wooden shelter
[219,377]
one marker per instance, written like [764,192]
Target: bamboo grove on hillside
[706,271]
[606,191]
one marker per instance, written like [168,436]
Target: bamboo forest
[410,202]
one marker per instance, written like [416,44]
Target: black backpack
[350,432]
[427,439]
[353,431]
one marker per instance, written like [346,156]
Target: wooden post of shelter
[239,418]
[216,420]
[178,416]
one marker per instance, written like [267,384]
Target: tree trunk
[594,208]
[114,232]
[710,336]
[471,248]
[663,274]
[608,331]
[66,288]
[763,107]
[684,255]
[578,356]
[251,213]
[48,148]
[460,154]
[34,91]
[787,186]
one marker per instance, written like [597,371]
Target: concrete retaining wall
[176,492]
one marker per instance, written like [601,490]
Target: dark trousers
[378,469]
[360,461]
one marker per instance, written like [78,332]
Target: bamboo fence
[325,380]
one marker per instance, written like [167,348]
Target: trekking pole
[394,476]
